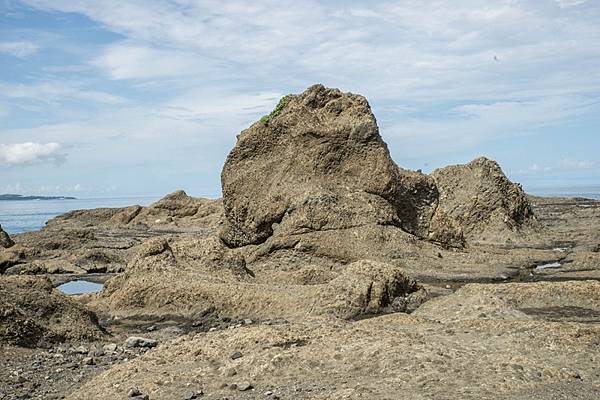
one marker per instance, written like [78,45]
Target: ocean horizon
[31,215]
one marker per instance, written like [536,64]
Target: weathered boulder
[178,270]
[5,240]
[178,203]
[33,313]
[478,198]
[366,287]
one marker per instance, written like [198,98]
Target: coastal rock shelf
[327,271]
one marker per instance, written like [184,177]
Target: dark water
[80,287]
[31,215]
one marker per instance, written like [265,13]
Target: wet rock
[136,341]
[5,240]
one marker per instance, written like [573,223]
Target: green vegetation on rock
[278,108]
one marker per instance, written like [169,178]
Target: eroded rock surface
[478,199]
[280,289]
[33,313]
[104,240]
[320,164]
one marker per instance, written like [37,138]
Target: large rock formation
[5,240]
[318,163]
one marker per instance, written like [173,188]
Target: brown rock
[5,240]
[319,164]
[32,312]
[475,198]
[366,287]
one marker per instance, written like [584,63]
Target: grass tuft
[278,109]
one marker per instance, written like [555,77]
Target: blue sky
[140,97]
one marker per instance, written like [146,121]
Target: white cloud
[30,153]
[539,168]
[19,49]
[16,188]
[50,91]
[471,124]
[197,104]
[124,61]
[577,164]
[570,3]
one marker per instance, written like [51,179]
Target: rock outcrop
[318,163]
[105,239]
[33,313]
[5,240]
[367,287]
[478,198]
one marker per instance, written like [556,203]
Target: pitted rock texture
[477,198]
[319,164]
[33,313]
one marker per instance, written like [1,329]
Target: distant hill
[18,197]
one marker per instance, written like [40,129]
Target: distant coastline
[18,197]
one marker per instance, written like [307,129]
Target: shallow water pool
[549,265]
[80,287]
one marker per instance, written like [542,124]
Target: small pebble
[88,361]
[243,386]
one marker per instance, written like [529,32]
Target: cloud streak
[19,49]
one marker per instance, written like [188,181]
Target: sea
[586,191]
[31,215]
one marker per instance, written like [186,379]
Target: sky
[110,98]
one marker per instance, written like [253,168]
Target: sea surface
[31,215]
[587,191]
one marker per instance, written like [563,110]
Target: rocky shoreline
[325,272]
